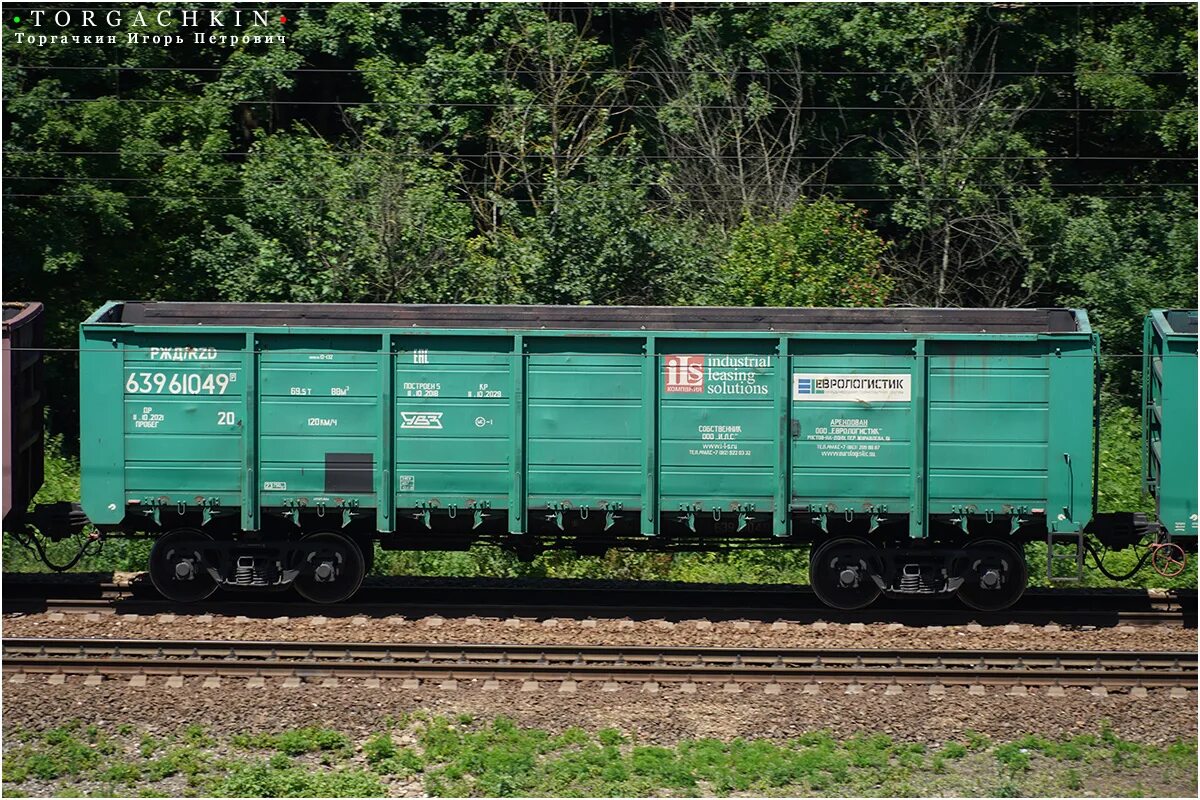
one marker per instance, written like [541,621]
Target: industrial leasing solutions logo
[164,27]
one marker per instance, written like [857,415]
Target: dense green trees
[1025,154]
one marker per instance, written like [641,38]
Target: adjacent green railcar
[270,444]
[1169,410]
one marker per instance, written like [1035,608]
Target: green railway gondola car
[1169,409]
[267,445]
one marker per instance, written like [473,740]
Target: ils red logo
[684,374]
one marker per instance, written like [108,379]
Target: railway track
[572,664]
[460,598]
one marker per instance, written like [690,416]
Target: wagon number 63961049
[179,383]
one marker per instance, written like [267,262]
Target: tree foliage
[658,154]
[815,254]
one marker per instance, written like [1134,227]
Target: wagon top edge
[615,318]
[1175,321]
[17,314]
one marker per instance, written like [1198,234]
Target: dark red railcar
[23,399]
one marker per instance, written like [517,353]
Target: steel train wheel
[995,576]
[335,568]
[176,566]
[366,546]
[839,572]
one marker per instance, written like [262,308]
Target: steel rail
[763,603]
[586,662]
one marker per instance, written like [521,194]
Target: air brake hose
[1100,564]
[35,546]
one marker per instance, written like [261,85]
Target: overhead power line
[655,156]
[632,70]
[817,183]
[688,107]
[560,201]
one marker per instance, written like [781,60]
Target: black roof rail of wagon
[699,318]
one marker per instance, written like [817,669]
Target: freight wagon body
[272,443]
[24,441]
[1169,410]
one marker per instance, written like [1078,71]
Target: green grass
[467,757]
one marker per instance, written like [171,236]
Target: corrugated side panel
[1174,375]
[717,424]
[453,421]
[584,423]
[319,419]
[852,425]
[989,426]
[183,417]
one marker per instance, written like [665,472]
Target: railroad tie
[568,686]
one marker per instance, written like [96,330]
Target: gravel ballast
[700,632]
[664,718]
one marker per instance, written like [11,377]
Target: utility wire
[524,105]
[653,157]
[634,70]
[814,184]
[566,201]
